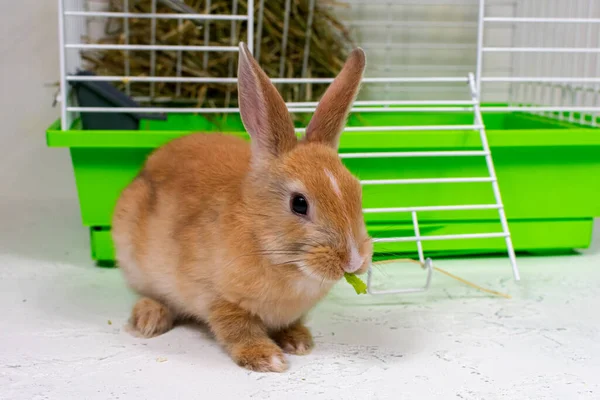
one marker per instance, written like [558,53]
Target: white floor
[62,333]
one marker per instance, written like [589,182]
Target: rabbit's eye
[298,204]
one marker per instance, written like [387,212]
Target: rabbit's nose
[355,260]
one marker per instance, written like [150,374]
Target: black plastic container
[103,94]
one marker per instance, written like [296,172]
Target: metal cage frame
[520,99]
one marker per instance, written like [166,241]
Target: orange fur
[295,339]
[206,229]
[150,318]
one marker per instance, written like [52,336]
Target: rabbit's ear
[262,109]
[330,116]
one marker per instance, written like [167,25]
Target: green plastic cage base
[532,236]
[548,172]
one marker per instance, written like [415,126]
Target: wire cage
[464,60]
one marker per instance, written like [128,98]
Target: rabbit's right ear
[263,111]
[330,116]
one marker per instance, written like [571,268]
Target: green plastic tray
[548,172]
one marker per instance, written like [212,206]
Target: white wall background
[29,65]
[37,190]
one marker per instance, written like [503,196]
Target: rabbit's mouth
[328,263]
[312,273]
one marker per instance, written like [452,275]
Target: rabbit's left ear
[263,110]
[330,116]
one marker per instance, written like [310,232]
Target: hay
[329,46]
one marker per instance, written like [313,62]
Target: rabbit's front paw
[263,356]
[295,339]
[150,318]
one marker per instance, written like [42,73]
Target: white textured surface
[57,342]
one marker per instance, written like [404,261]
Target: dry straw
[328,47]
[458,278]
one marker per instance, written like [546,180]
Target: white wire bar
[575,61]
[595,90]
[556,109]
[418,46]
[232,41]
[399,154]
[389,35]
[64,88]
[206,35]
[179,66]
[542,49]
[513,89]
[560,67]
[153,23]
[391,103]
[213,110]
[442,237]
[564,64]
[541,61]
[492,172]
[308,37]
[432,3]
[115,78]
[259,28]
[544,20]
[412,24]
[250,30]
[428,265]
[150,47]
[480,48]
[420,181]
[431,208]
[284,37]
[202,17]
[417,232]
[565,79]
[586,61]
[372,108]
[126,59]
[405,128]
[528,31]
